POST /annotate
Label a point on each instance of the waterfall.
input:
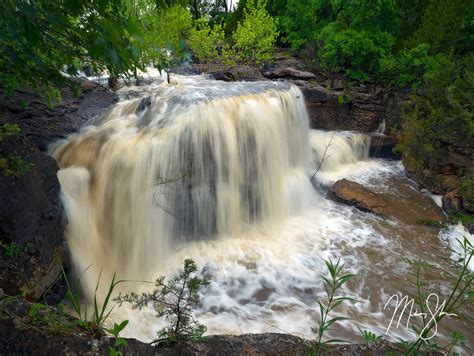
(195, 160)
(333, 150)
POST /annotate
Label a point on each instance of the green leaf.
(333, 320)
(335, 341)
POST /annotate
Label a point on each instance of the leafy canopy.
(41, 40)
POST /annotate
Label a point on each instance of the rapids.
(223, 173)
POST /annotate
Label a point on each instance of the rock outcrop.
(455, 163)
(32, 220)
(42, 125)
(354, 194)
(421, 209)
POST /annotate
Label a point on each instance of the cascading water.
(195, 161)
(222, 173)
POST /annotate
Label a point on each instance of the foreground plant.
(370, 337)
(96, 324)
(119, 341)
(173, 301)
(332, 285)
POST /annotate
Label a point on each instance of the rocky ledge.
(333, 103)
(45, 332)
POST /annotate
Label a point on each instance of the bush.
(255, 37)
(355, 52)
(8, 130)
(205, 41)
(407, 68)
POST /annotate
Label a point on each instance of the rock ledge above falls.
(332, 103)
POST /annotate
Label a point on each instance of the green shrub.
(17, 167)
(173, 301)
(406, 68)
(9, 130)
(355, 52)
(442, 113)
(370, 337)
(12, 250)
(255, 37)
(205, 41)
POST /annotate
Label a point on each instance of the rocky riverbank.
(47, 333)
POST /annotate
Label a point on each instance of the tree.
(173, 301)
(40, 40)
(255, 37)
(204, 41)
(167, 29)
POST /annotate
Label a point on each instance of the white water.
(240, 201)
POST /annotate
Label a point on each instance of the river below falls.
(245, 205)
(268, 279)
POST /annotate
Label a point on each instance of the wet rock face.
(32, 219)
(454, 164)
(382, 146)
(32, 223)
